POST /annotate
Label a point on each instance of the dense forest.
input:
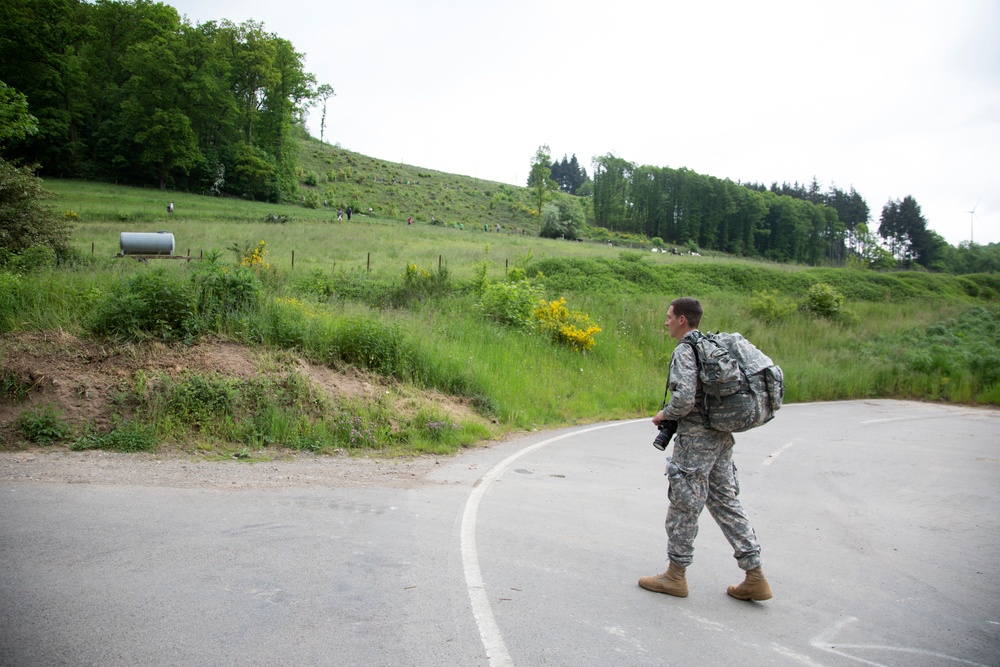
(786, 223)
(130, 92)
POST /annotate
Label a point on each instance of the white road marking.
(914, 419)
(888, 419)
(489, 631)
(776, 453)
(823, 642)
(789, 653)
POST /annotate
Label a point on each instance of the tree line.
(784, 223)
(131, 92)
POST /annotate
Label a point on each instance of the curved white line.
(489, 632)
(776, 453)
(825, 642)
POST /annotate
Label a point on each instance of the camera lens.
(662, 440)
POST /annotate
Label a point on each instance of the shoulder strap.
(697, 362)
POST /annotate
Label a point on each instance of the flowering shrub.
(419, 283)
(415, 274)
(297, 305)
(571, 328)
(253, 256)
(354, 431)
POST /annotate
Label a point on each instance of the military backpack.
(739, 387)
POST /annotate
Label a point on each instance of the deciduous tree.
(540, 178)
(24, 220)
(15, 121)
(324, 93)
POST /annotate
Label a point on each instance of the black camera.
(667, 429)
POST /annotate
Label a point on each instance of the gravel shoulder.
(295, 470)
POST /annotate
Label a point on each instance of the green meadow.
(431, 307)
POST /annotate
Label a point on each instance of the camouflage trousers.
(702, 473)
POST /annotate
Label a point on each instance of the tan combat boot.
(754, 587)
(671, 582)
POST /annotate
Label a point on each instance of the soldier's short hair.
(690, 308)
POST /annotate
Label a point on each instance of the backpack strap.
(699, 395)
(697, 361)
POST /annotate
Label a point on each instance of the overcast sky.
(895, 97)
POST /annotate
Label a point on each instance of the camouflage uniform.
(701, 472)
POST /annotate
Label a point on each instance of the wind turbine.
(972, 216)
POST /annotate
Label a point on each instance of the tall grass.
(429, 332)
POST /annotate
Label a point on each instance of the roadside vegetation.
(519, 328)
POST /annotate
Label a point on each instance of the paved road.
(880, 523)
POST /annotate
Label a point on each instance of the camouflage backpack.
(739, 386)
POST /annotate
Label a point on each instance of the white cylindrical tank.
(146, 243)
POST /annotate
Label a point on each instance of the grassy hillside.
(431, 310)
(318, 240)
(396, 191)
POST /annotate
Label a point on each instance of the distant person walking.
(340, 214)
(170, 207)
(348, 213)
(409, 220)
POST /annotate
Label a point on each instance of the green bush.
(24, 220)
(824, 300)
(149, 305)
(223, 292)
(420, 283)
(31, 259)
(562, 218)
(43, 426)
(371, 344)
(316, 284)
(771, 308)
(197, 398)
(511, 303)
(127, 437)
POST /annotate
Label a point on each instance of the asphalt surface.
(879, 522)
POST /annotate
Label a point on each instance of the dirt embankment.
(83, 381)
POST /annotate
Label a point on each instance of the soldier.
(701, 472)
